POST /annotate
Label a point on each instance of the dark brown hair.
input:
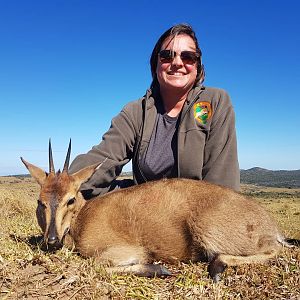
(172, 32)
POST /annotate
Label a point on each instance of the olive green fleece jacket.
(206, 150)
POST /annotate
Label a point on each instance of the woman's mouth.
(176, 74)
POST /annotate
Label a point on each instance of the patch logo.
(202, 112)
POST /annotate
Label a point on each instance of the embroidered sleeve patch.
(202, 112)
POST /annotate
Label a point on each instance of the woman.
(178, 129)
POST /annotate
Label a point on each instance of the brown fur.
(168, 220)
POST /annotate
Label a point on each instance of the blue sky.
(67, 67)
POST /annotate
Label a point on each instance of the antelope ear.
(38, 174)
(84, 174)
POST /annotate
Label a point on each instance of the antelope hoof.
(215, 268)
(165, 271)
(154, 270)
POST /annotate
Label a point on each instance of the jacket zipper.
(139, 144)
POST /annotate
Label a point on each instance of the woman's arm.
(115, 150)
(220, 163)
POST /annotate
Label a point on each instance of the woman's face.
(176, 74)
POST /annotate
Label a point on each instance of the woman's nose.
(177, 60)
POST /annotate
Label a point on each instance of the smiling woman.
(180, 128)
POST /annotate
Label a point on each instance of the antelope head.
(60, 199)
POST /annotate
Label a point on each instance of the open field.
(27, 272)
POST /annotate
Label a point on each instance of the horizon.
(130, 171)
(67, 68)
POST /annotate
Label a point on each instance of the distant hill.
(264, 177)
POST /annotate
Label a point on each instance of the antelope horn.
(66, 165)
(51, 165)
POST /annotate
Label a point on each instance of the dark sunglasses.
(187, 57)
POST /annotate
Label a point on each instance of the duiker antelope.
(168, 220)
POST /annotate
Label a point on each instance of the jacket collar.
(154, 93)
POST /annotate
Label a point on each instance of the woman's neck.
(173, 102)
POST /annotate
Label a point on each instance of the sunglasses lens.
(189, 57)
(166, 56)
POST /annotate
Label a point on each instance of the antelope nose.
(52, 240)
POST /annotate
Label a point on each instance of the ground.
(27, 272)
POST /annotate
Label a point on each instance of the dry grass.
(27, 272)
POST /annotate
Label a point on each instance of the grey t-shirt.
(159, 161)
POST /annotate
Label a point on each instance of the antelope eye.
(71, 201)
(41, 204)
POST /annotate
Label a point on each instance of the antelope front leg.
(127, 259)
